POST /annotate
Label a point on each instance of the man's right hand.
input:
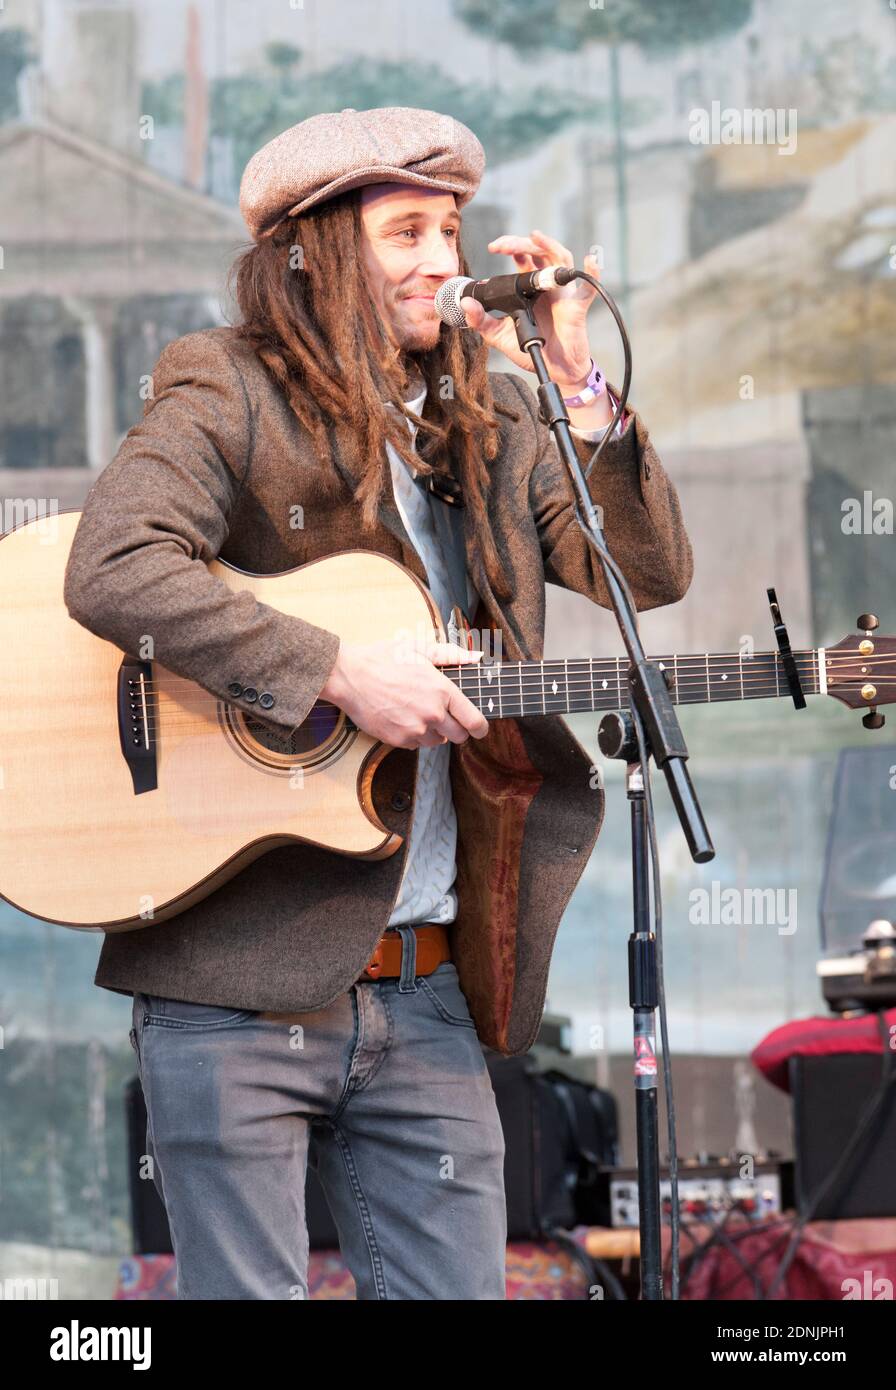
(397, 694)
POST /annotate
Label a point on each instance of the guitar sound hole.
(317, 728)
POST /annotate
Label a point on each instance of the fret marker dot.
(724, 675)
(491, 706)
(604, 684)
(554, 686)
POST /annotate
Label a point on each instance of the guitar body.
(80, 844)
(128, 793)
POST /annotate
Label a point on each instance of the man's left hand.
(561, 314)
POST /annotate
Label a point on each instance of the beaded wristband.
(595, 386)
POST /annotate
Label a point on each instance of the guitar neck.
(584, 684)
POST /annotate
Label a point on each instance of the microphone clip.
(443, 486)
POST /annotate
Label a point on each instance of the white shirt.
(427, 893)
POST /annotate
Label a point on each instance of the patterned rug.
(534, 1271)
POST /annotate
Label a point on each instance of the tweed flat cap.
(338, 150)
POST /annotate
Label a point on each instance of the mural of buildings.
(759, 289)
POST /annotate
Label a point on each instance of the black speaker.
(559, 1133)
(830, 1094)
(860, 862)
(149, 1222)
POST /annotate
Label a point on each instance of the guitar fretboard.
(564, 686)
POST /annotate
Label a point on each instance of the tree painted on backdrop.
(531, 26)
(252, 107)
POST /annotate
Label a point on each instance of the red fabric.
(817, 1037)
(835, 1260)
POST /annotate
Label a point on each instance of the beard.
(417, 337)
(415, 327)
(422, 340)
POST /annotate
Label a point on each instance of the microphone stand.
(651, 727)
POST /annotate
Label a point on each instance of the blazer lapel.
(346, 458)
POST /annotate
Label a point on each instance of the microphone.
(502, 292)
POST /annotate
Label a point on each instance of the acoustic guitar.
(128, 792)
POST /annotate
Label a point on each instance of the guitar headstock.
(861, 671)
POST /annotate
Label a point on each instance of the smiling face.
(410, 249)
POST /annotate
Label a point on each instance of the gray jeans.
(385, 1092)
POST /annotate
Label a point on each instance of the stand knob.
(873, 720)
(616, 736)
(866, 622)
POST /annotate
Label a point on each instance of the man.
(318, 997)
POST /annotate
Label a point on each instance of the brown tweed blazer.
(214, 468)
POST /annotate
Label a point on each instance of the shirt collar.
(414, 403)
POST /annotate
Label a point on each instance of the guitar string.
(510, 685)
(509, 688)
(531, 683)
(573, 684)
(505, 671)
(163, 718)
(805, 655)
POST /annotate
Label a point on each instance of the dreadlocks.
(335, 362)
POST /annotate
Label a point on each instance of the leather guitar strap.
(447, 512)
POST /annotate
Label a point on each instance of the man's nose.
(440, 259)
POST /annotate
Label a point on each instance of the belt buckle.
(374, 966)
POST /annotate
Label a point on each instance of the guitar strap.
(446, 505)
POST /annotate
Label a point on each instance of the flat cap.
(330, 153)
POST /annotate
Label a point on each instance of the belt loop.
(407, 983)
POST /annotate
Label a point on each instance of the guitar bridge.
(137, 722)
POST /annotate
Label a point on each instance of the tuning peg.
(873, 720)
(866, 622)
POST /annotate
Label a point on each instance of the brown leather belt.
(433, 947)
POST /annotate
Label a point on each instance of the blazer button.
(235, 689)
(400, 801)
(250, 695)
(266, 700)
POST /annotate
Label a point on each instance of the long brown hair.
(332, 357)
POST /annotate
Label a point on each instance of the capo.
(787, 658)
